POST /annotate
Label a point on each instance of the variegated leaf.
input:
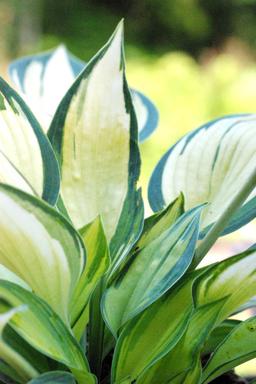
(226, 279)
(43, 329)
(97, 263)
(20, 368)
(217, 292)
(238, 347)
(40, 247)
(184, 356)
(43, 80)
(151, 271)
(27, 159)
(211, 164)
(94, 131)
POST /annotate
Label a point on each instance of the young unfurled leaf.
(238, 347)
(44, 79)
(94, 131)
(40, 247)
(27, 159)
(151, 271)
(97, 263)
(210, 164)
(44, 330)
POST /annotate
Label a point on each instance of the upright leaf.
(43, 80)
(94, 132)
(27, 159)
(151, 271)
(40, 247)
(97, 262)
(209, 165)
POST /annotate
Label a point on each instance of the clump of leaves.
(90, 291)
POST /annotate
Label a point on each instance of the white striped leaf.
(226, 279)
(40, 247)
(43, 329)
(27, 159)
(151, 271)
(97, 263)
(43, 80)
(94, 131)
(20, 369)
(209, 165)
(238, 347)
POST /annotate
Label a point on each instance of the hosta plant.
(90, 290)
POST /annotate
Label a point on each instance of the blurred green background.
(194, 58)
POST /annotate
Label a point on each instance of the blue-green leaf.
(54, 378)
(209, 165)
(151, 271)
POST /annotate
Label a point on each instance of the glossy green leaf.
(210, 165)
(44, 330)
(151, 271)
(54, 378)
(94, 132)
(97, 263)
(238, 347)
(184, 356)
(48, 252)
(220, 283)
(218, 335)
(27, 158)
(149, 336)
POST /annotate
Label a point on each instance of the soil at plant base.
(231, 378)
